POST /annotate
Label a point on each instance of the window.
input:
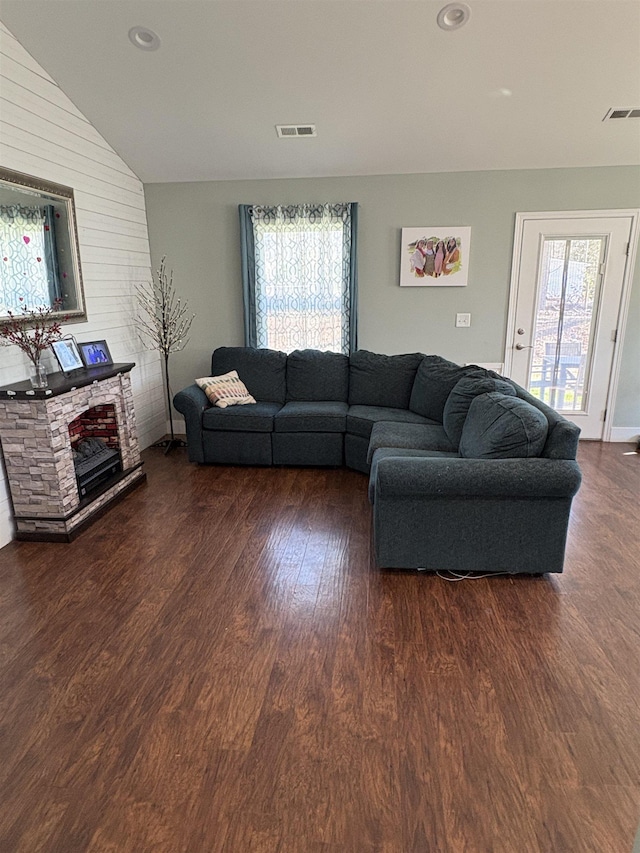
(27, 272)
(300, 276)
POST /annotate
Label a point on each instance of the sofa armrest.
(192, 402)
(477, 478)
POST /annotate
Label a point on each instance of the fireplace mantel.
(60, 383)
(36, 444)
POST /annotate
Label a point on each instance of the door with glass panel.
(566, 299)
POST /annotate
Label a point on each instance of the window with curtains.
(300, 276)
(29, 268)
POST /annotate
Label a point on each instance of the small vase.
(38, 375)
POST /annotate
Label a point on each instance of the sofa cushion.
(502, 427)
(225, 390)
(435, 380)
(263, 371)
(420, 437)
(381, 380)
(361, 419)
(394, 452)
(257, 418)
(562, 439)
(315, 375)
(317, 416)
(460, 398)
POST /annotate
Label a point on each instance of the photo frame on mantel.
(67, 355)
(95, 354)
(435, 256)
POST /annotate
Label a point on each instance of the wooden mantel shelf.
(61, 383)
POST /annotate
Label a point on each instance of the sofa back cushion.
(435, 380)
(502, 427)
(465, 390)
(313, 376)
(382, 380)
(263, 371)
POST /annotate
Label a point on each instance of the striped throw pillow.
(225, 390)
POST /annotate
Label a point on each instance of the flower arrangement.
(34, 330)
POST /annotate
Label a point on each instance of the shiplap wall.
(43, 134)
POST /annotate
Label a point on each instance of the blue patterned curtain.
(300, 276)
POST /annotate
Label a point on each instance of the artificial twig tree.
(164, 324)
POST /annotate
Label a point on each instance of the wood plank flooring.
(216, 667)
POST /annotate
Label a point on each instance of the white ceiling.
(389, 91)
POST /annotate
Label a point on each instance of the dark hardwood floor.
(216, 666)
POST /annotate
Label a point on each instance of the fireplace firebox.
(95, 448)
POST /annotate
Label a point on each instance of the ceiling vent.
(622, 113)
(291, 130)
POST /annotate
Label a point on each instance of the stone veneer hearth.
(36, 444)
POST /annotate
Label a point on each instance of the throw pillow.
(225, 390)
(502, 427)
(457, 406)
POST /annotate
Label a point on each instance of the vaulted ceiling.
(524, 84)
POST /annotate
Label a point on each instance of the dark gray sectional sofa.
(468, 471)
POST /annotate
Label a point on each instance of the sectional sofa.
(467, 470)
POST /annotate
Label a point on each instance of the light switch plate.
(463, 320)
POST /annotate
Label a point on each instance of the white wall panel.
(43, 134)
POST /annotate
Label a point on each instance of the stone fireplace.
(43, 433)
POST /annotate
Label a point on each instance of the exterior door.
(567, 291)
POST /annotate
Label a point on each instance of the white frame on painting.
(435, 256)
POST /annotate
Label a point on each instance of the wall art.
(435, 256)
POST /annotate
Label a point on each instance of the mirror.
(39, 251)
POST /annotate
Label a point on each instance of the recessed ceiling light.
(453, 16)
(144, 38)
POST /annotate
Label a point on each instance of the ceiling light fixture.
(144, 38)
(453, 16)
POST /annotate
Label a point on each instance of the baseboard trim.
(624, 434)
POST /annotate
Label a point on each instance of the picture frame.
(67, 355)
(95, 354)
(435, 256)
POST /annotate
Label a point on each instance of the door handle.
(521, 346)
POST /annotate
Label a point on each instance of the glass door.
(569, 272)
(568, 295)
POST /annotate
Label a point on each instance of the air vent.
(291, 130)
(627, 112)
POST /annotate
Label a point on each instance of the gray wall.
(196, 227)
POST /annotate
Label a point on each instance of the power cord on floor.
(470, 576)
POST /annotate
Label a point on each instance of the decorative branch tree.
(164, 324)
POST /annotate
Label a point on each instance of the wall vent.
(626, 112)
(291, 130)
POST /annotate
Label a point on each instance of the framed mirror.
(39, 250)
